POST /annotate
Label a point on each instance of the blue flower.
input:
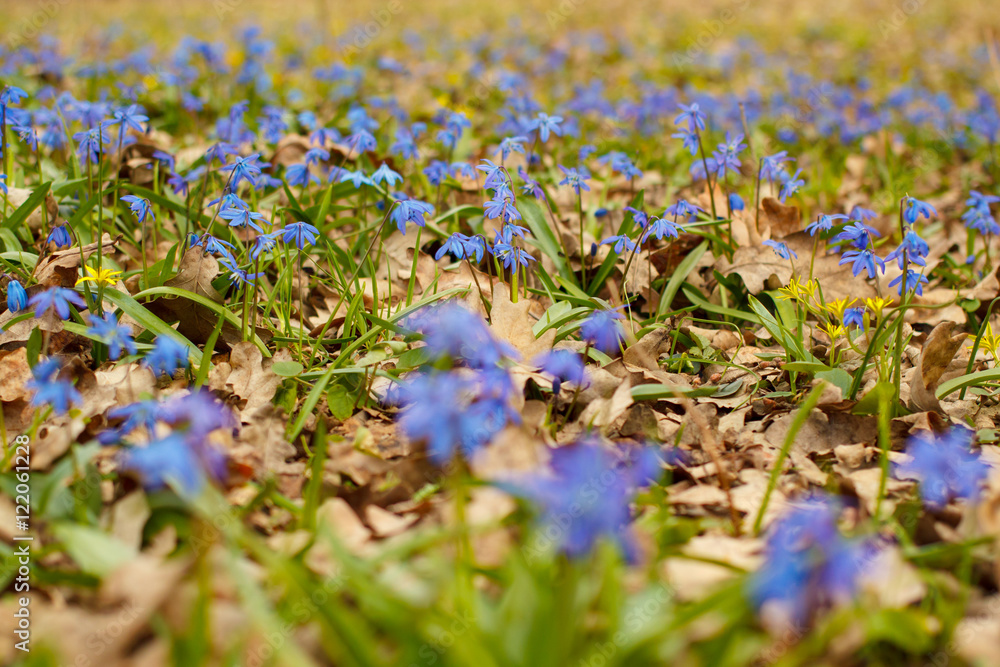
(301, 233)
(214, 246)
(166, 356)
(772, 166)
(59, 236)
(357, 177)
(736, 202)
(545, 124)
(724, 158)
(563, 366)
(682, 210)
(12, 95)
(450, 330)
(659, 228)
(238, 276)
(781, 249)
(945, 465)
(501, 208)
(510, 145)
(495, 174)
(824, 223)
(638, 217)
(239, 217)
(807, 560)
(791, 186)
(49, 390)
(169, 459)
(116, 336)
(913, 249)
(863, 214)
(575, 178)
(17, 298)
(692, 115)
(384, 174)
(602, 330)
(410, 210)
(620, 242)
(914, 282)
(299, 174)
(262, 245)
(914, 208)
(244, 169)
(454, 245)
(858, 233)
(856, 316)
(863, 260)
(316, 155)
(127, 118)
(57, 299)
(586, 495)
(138, 206)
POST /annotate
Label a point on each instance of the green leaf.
(29, 205)
(340, 401)
(94, 551)
(544, 238)
(286, 369)
(148, 320)
(683, 270)
(970, 380)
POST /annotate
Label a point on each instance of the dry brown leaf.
(252, 378)
(783, 220)
(935, 357)
(14, 373)
(512, 323)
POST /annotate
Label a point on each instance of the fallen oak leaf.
(935, 358)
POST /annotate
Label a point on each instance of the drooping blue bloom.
(301, 233)
(454, 245)
(357, 177)
(602, 330)
(689, 140)
(736, 202)
(659, 228)
(57, 299)
(501, 208)
(238, 276)
(863, 260)
(979, 216)
(451, 330)
(781, 249)
(384, 174)
(945, 465)
(125, 119)
(362, 141)
(244, 169)
(214, 246)
(12, 95)
(791, 186)
(17, 298)
(692, 115)
(495, 175)
(138, 206)
(859, 234)
(914, 208)
(639, 217)
(59, 235)
(116, 336)
(239, 217)
(585, 496)
(299, 175)
(219, 152)
(316, 155)
(563, 366)
(772, 166)
(510, 145)
(545, 124)
(169, 459)
(912, 249)
(862, 214)
(166, 356)
(576, 178)
(410, 210)
(3, 184)
(263, 244)
(511, 256)
(475, 246)
(824, 223)
(49, 390)
(724, 158)
(855, 316)
(914, 282)
(620, 243)
(682, 210)
(807, 561)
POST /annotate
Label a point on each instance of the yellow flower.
(837, 308)
(990, 342)
(798, 290)
(834, 330)
(878, 304)
(102, 277)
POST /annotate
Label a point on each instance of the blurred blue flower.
(781, 249)
(59, 236)
(116, 336)
(166, 356)
(692, 115)
(946, 466)
(410, 210)
(914, 208)
(602, 330)
(855, 316)
(621, 242)
(49, 390)
(736, 202)
(545, 124)
(563, 366)
(138, 206)
(586, 495)
(863, 260)
(57, 299)
(824, 223)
